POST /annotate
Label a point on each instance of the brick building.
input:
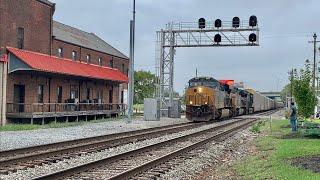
(49, 70)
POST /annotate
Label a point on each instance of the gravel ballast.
(213, 156)
(20, 139)
(85, 158)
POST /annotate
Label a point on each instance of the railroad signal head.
(253, 21)
(236, 22)
(217, 23)
(252, 37)
(202, 23)
(217, 38)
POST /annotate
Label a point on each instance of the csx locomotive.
(208, 99)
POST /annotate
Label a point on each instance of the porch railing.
(62, 107)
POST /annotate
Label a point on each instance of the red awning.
(52, 64)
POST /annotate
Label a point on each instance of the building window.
(111, 63)
(122, 68)
(100, 61)
(20, 38)
(60, 52)
(88, 58)
(74, 55)
(59, 94)
(40, 93)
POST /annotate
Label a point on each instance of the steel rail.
(148, 165)
(91, 144)
(82, 140)
(108, 141)
(85, 167)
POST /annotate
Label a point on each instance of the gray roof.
(88, 40)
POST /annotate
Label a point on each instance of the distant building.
(49, 70)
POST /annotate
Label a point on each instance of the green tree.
(286, 92)
(145, 85)
(303, 92)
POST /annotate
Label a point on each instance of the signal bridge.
(203, 33)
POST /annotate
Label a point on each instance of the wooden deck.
(54, 110)
(61, 114)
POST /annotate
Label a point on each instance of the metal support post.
(131, 65)
(171, 71)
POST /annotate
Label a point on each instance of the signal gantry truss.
(196, 34)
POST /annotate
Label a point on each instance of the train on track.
(208, 99)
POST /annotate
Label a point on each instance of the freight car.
(208, 99)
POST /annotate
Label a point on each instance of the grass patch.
(19, 127)
(256, 127)
(28, 127)
(272, 160)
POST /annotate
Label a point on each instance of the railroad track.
(19, 159)
(131, 163)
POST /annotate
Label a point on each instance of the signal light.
(252, 37)
(217, 38)
(202, 23)
(253, 21)
(236, 22)
(217, 23)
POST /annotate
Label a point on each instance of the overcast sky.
(286, 26)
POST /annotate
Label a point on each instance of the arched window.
(100, 61)
(60, 52)
(88, 58)
(74, 55)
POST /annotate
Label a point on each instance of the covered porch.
(50, 88)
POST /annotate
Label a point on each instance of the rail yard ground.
(25, 138)
(270, 154)
(255, 152)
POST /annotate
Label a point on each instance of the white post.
(3, 90)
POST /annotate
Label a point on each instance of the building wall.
(33, 16)
(94, 56)
(82, 52)
(36, 19)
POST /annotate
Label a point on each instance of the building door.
(19, 97)
(111, 95)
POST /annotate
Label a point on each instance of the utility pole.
(291, 86)
(314, 60)
(131, 64)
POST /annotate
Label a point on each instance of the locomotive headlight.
(191, 102)
(200, 90)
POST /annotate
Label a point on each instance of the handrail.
(62, 107)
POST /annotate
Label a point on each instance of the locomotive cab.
(201, 96)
